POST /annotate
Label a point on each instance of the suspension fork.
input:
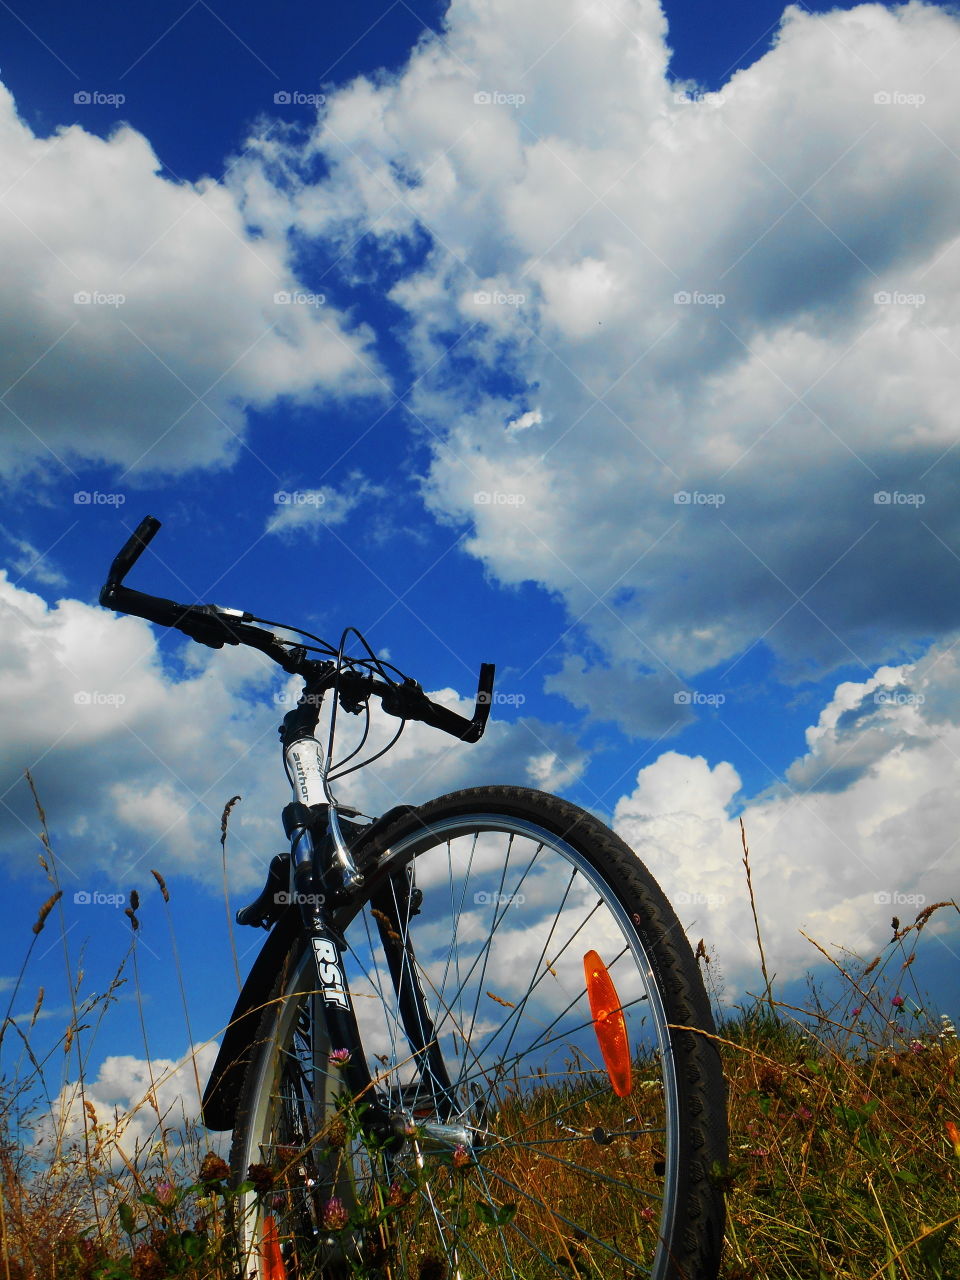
(399, 897)
(331, 866)
(321, 874)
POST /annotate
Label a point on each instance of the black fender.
(222, 1094)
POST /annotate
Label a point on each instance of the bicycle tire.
(559, 1176)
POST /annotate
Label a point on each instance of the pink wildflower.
(335, 1216)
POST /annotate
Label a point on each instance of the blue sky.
(612, 343)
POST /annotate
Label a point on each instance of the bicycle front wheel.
(530, 1011)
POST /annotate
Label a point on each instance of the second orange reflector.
(608, 1023)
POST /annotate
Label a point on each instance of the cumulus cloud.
(140, 1106)
(29, 562)
(735, 313)
(120, 749)
(311, 510)
(863, 827)
(141, 316)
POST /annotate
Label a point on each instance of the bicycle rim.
(550, 1142)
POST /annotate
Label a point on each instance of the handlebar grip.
(449, 721)
(457, 725)
(128, 555)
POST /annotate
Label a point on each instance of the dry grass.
(845, 1143)
(845, 1155)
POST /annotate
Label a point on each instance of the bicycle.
(475, 1041)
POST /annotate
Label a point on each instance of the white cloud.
(141, 1107)
(532, 418)
(698, 318)
(138, 316)
(310, 510)
(134, 762)
(863, 828)
(29, 562)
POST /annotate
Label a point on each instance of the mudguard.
(222, 1094)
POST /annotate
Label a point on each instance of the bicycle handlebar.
(210, 625)
(130, 553)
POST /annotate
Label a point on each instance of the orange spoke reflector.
(270, 1255)
(608, 1023)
